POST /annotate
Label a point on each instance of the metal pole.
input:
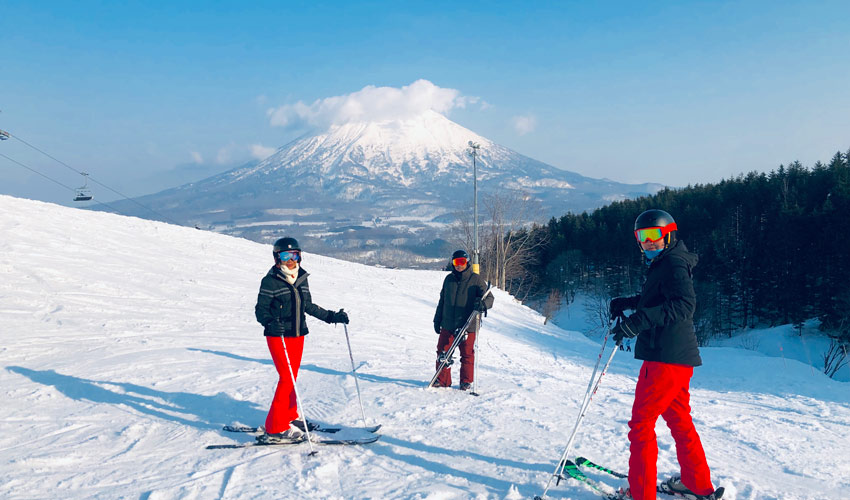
(297, 397)
(354, 372)
(475, 365)
(474, 154)
(588, 397)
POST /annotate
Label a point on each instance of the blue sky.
(672, 92)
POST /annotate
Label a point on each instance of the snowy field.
(127, 344)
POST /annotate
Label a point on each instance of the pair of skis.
(460, 334)
(571, 469)
(326, 435)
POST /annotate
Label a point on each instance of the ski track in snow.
(127, 344)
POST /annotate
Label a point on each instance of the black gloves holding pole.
(338, 317)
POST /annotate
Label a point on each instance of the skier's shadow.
(498, 486)
(321, 369)
(180, 407)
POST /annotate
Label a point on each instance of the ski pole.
(584, 403)
(475, 366)
(582, 413)
(297, 397)
(475, 352)
(354, 372)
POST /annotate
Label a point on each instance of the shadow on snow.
(320, 369)
(185, 408)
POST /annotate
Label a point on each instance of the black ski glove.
(624, 329)
(339, 317)
(436, 328)
(617, 306)
(479, 305)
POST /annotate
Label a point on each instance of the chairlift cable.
(168, 219)
(63, 185)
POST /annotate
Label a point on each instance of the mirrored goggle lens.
(460, 261)
(285, 256)
(649, 233)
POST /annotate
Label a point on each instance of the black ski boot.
(674, 486)
(291, 435)
(299, 424)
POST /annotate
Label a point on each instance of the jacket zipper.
(297, 294)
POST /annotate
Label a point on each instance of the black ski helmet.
(460, 253)
(284, 245)
(656, 218)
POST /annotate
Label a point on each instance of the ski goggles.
(289, 255)
(460, 261)
(654, 234)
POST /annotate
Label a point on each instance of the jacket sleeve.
(679, 299)
(438, 316)
(311, 308)
(262, 310)
(489, 299)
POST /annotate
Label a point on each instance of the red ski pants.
(662, 390)
(467, 358)
(284, 405)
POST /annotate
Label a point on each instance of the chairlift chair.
(83, 193)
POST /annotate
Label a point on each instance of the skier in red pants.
(282, 303)
(663, 323)
(461, 294)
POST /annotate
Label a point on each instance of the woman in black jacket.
(663, 324)
(282, 305)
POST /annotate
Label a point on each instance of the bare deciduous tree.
(552, 305)
(505, 239)
(834, 358)
(596, 308)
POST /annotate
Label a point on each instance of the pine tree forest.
(774, 248)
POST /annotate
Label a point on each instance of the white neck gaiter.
(290, 274)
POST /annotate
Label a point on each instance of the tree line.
(774, 248)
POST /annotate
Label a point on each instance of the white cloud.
(370, 104)
(196, 157)
(524, 124)
(261, 152)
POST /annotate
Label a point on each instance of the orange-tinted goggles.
(654, 233)
(460, 261)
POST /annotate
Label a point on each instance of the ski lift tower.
(473, 152)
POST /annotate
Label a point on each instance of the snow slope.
(127, 344)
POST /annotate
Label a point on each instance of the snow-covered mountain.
(127, 344)
(395, 181)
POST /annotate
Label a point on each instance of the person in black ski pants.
(663, 324)
(282, 303)
(461, 294)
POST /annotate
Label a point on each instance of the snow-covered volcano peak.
(422, 145)
(428, 131)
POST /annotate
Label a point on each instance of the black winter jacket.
(664, 311)
(460, 289)
(281, 307)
